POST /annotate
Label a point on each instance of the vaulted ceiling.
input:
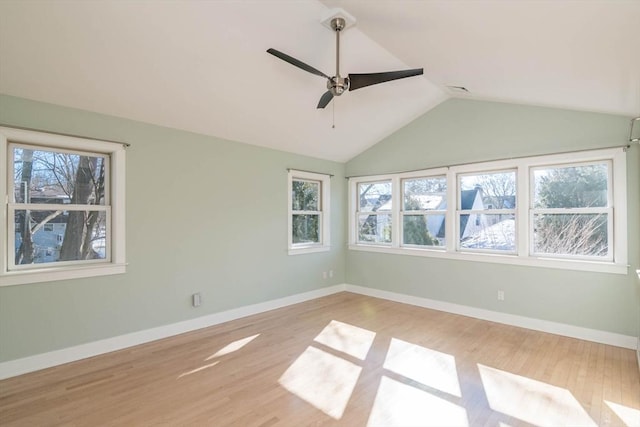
(202, 66)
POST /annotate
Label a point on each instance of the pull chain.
(333, 110)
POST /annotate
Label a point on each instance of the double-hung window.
(486, 211)
(373, 214)
(309, 226)
(424, 204)
(571, 211)
(64, 210)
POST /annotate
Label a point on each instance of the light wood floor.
(346, 360)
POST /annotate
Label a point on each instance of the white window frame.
(523, 255)
(13, 207)
(394, 218)
(431, 212)
(324, 212)
(470, 212)
(608, 210)
(35, 273)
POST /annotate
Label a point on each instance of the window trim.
(502, 211)
(428, 212)
(116, 154)
(324, 212)
(522, 256)
(607, 210)
(14, 206)
(390, 213)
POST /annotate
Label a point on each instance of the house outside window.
(374, 216)
(65, 196)
(43, 178)
(309, 214)
(486, 211)
(424, 204)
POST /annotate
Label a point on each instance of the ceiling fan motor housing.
(338, 85)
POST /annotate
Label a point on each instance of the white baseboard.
(58, 357)
(24, 365)
(603, 337)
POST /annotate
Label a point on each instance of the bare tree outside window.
(571, 210)
(72, 184)
(25, 253)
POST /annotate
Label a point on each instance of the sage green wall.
(203, 215)
(208, 215)
(460, 131)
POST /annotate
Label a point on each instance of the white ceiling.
(201, 66)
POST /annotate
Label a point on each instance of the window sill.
(579, 265)
(308, 250)
(59, 273)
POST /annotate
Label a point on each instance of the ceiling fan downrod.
(338, 84)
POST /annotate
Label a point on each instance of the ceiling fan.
(337, 84)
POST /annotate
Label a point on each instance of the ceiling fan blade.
(293, 61)
(325, 99)
(357, 81)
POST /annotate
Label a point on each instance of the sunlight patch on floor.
(201, 368)
(399, 404)
(346, 338)
(629, 416)
(535, 402)
(323, 380)
(429, 367)
(234, 346)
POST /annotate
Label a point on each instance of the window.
(423, 211)
(559, 211)
(486, 211)
(374, 212)
(309, 228)
(65, 196)
(571, 211)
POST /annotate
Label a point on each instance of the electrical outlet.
(324, 274)
(196, 299)
(500, 295)
(330, 273)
